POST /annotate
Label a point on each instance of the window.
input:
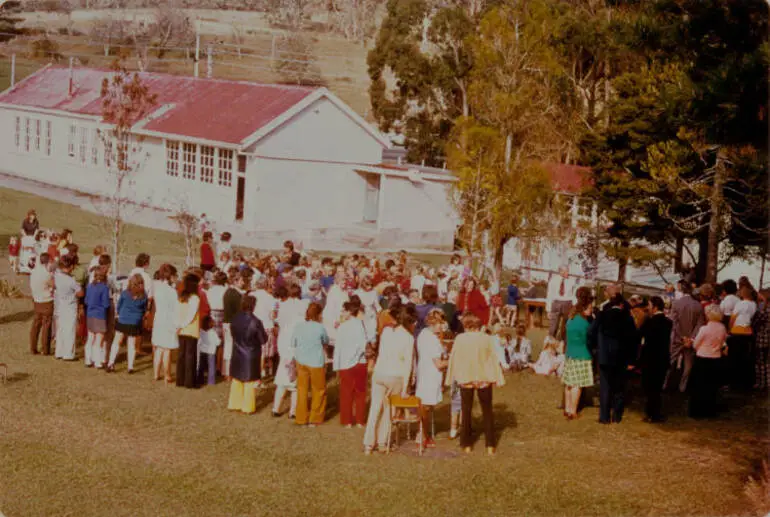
(48, 138)
(207, 164)
(241, 163)
(83, 147)
(188, 161)
(38, 130)
(172, 158)
(226, 167)
(27, 133)
(17, 132)
(71, 141)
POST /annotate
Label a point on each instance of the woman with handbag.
(291, 310)
(392, 371)
(349, 361)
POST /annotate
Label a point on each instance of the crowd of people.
(386, 328)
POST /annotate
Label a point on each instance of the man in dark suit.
(687, 317)
(655, 358)
(615, 337)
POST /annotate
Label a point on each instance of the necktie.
(507, 356)
(561, 288)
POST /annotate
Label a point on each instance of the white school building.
(266, 162)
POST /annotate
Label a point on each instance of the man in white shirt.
(561, 293)
(418, 280)
(41, 285)
(729, 300)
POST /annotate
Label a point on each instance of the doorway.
(372, 198)
(240, 192)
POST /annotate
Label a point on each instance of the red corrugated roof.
(211, 109)
(570, 179)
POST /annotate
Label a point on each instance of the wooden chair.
(397, 402)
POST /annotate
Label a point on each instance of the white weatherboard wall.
(322, 131)
(410, 205)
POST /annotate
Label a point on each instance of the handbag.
(149, 316)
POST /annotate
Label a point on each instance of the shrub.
(8, 290)
(758, 491)
(44, 48)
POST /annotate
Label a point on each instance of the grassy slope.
(80, 442)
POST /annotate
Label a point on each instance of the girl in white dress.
(430, 364)
(335, 299)
(370, 302)
(291, 311)
(164, 337)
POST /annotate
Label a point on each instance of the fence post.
(197, 51)
(209, 62)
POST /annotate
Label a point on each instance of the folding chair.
(408, 404)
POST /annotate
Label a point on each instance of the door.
(372, 198)
(240, 192)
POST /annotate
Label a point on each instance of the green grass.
(81, 442)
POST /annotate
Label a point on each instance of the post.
(272, 52)
(197, 50)
(209, 62)
(71, 81)
(13, 69)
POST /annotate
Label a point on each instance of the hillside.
(244, 46)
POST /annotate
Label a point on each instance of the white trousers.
(378, 422)
(116, 346)
(227, 352)
(66, 327)
(280, 392)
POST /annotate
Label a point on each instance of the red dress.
(13, 250)
(475, 303)
(207, 255)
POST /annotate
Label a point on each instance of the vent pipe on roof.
(71, 81)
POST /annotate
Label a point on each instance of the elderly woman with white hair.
(709, 345)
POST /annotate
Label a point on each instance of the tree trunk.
(715, 224)
(498, 261)
(116, 229)
(678, 253)
(623, 263)
(762, 271)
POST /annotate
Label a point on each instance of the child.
(208, 343)
(13, 253)
(97, 304)
(551, 360)
(522, 348)
(53, 246)
(224, 249)
(131, 308)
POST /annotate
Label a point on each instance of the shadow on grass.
(17, 377)
(17, 317)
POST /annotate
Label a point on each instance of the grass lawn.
(81, 442)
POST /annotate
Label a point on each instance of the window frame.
(208, 163)
(225, 167)
(189, 160)
(172, 158)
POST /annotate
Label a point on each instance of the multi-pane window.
(95, 147)
(188, 161)
(48, 138)
(172, 158)
(27, 134)
(83, 147)
(17, 132)
(226, 167)
(71, 141)
(38, 130)
(207, 164)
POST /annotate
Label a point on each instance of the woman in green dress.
(578, 373)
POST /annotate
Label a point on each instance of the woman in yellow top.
(475, 366)
(188, 330)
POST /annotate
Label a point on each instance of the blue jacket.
(97, 301)
(130, 310)
(513, 295)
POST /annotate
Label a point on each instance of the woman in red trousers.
(350, 361)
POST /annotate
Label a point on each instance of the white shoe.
(453, 434)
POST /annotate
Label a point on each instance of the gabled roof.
(215, 110)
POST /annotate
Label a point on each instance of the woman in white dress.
(430, 364)
(291, 310)
(164, 338)
(370, 302)
(335, 299)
